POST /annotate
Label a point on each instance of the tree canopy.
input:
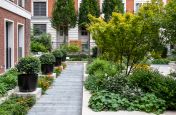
(170, 21)
(129, 36)
(110, 6)
(64, 15)
(88, 7)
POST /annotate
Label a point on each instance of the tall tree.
(64, 15)
(170, 22)
(87, 7)
(110, 6)
(129, 36)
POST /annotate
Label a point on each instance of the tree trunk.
(65, 34)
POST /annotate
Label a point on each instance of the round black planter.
(47, 68)
(58, 61)
(27, 82)
(64, 57)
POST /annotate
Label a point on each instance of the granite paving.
(65, 95)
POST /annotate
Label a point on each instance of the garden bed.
(101, 101)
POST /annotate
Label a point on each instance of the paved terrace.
(65, 95)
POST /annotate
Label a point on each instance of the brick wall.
(17, 19)
(130, 5)
(51, 4)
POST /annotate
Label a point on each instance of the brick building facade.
(14, 31)
(42, 11)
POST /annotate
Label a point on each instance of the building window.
(83, 31)
(21, 3)
(39, 8)
(39, 29)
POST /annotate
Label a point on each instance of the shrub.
(64, 65)
(160, 61)
(58, 53)
(79, 57)
(37, 47)
(95, 82)
(103, 66)
(28, 65)
(115, 84)
(57, 70)
(64, 50)
(41, 43)
(73, 48)
(47, 58)
(153, 82)
(45, 82)
(17, 105)
(107, 101)
(148, 81)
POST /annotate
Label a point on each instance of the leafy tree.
(110, 6)
(64, 15)
(87, 7)
(170, 23)
(129, 36)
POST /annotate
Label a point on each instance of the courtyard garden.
(122, 78)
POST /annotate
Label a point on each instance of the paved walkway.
(65, 96)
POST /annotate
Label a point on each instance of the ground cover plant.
(8, 81)
(160, 61)
(142, 90)
(17, 105)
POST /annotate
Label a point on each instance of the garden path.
(65, 95)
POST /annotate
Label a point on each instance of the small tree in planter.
(58, 55)
(28, 68)
(47, 63)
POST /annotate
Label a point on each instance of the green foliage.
(41, 43)
(87, 7)
(28, 65)
(47, 58)
(103, 66)
(79, 57)
(99, 72)
(37, 47)
(73, 49)
(142, 78)
(64, 15)
(128, 35)
(107, 101)
(17, 106)
(45, 82)
(57, 53)
(95, 82)
(153, 82)
(58, 71)
(110, 6)
(8, 81)
(64, 50)
(170, 24)
(160, 61)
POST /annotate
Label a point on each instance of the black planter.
(64, 57)
(47, 68)
(58, 61)
(27, 82)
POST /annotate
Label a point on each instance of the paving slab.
(65, 95)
